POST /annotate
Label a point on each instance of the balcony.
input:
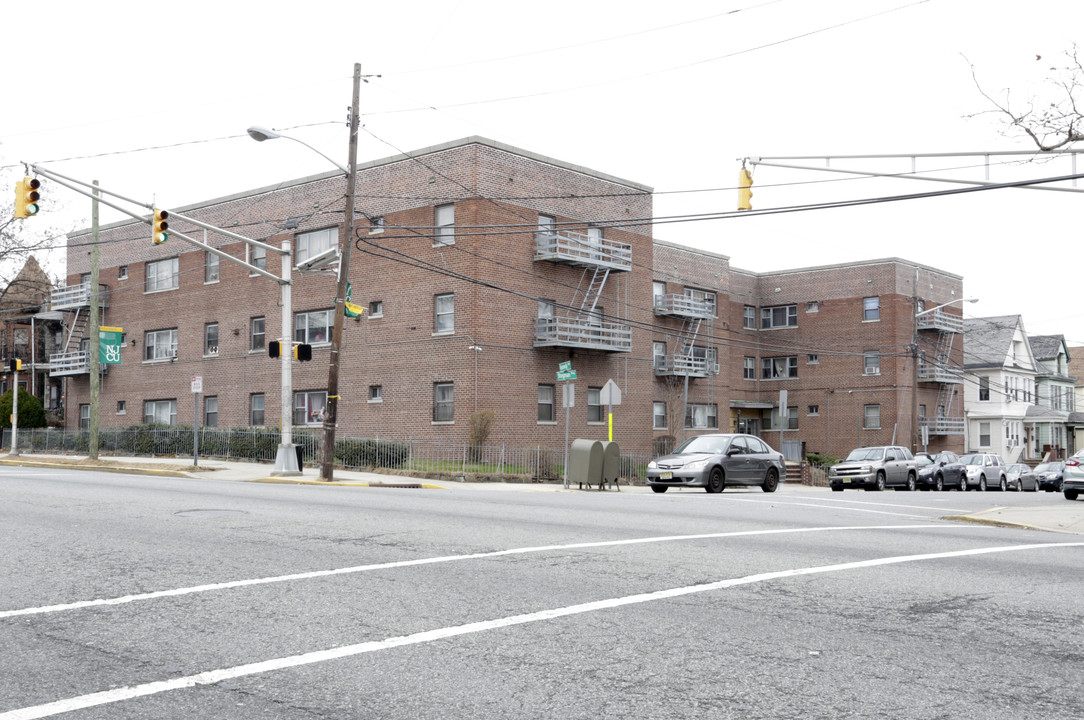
(942, 321)
(683, 365)
(937, 373)
(944, 425)
(572, 248)
(675, 305)
(77, 296)
(573, 332)
(69, 363)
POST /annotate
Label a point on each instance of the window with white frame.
(210, 267)
(546, 411)
(704, 296)
(749, 317)
(84, 416)
(444, 313)
(701, 416)
(255, 409)
(749, 369)
(814, 409)
(546, 309)
(122, 272)
(122, 407)
(376, 393)
(984, 434)
(871, 417)
(812, 359)
(376, 308)
(160, 344)
(790, 422)
(658, 416)
(812, 307)
(162, 275)
(444, 220)
(871, 363)
(658, 290)
(210, 411)
(547, 225)
(778, 317)
(162, 412)
(210, 339)
(309, 407)
(658, 355)
(257, 257)
(257, 334)
(443, 402)
(776, 368)
(871, 308)
(313, 243)
(313, 327)
(594, 405)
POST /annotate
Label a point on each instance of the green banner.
(109, 344)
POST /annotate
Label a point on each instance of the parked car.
(1020, 477)
(939, 471)
(1050, 476)
(715, 461)
(985, 471)
(1072, 476)
(875, 468)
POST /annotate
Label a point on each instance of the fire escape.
(74, 301)
(581, 324)
(688, 359)
(940, 330)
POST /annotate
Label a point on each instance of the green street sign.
(565, 366)
(566, 375)
(109, 345)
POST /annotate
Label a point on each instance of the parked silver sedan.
(715, 461)
(1021, 477)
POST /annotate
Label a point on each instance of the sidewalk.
(1060, 515)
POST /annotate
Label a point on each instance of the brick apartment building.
(482, 268)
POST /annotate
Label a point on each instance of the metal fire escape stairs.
(588, 298)
(690, 328)
(78, 329)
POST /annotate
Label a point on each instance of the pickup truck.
(875, 468)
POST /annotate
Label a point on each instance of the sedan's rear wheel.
(939, 484)
(659, 488)
(1019, 486)
(715, 481)
(771, 480)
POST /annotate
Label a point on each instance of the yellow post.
(611, 416)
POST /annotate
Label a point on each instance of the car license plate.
(666, 476)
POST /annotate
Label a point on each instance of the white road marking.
(836, 507)
(215, 676)
(429, 561)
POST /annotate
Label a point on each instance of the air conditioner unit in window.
(715, 368)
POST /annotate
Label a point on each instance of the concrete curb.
(347, 483)
(106, 468)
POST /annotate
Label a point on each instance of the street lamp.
(346, 239)
(967, 300)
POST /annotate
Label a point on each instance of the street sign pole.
(15, 415)
(197, 388)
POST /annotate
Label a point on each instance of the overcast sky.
(153, 100)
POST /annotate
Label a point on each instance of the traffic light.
(745, 190)
(16, 365)
(302, 352)
(158, 233)
(26, 197)
(274, 349)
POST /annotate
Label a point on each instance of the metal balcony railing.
(574, 248)
(683, 306)
(942, 321)
(77, 296)
(937, 373)
(69, 363)
(682, 365)
(944, 425)
(578, 333)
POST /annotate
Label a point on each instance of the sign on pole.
(568, 395)
(109, 344)
(565, 366)
(566, 374)
(197, 383)
(610, 394)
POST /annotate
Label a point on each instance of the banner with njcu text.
(110, 341)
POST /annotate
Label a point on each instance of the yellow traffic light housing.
(158, 233)
(745, 190)
(26, 197)
(15, 365)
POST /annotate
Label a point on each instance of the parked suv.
(939, 471)
(985, 470)
(875, 468)
(1072, 478)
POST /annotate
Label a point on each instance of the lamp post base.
(286, 464)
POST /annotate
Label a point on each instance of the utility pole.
(95, 321)
(331, 412)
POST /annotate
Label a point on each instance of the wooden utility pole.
(92, 327)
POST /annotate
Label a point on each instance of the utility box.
(585, 462)
(611, 464)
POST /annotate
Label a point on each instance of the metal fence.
(261, 445)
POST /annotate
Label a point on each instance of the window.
(122, 272)
(309, 407)
(776, 423)
(545, 403)
(376, 393)
(658, 416)
(210, 411)
(699, 416)
(658, 355)
(594, 241)
(160, 344)
(546, 309)
(84, 416)
(258, 337)
(162, 275)
(921, 414)
(162, 412)
(777, 317)
(122, 407)
(445, 225)
(658, 290)
(814, 409)
(984, 434)
(313, 327)
(749, 371)
(594, 404)
(311, 244)
(749, 317)
(984, 388)
(871, 308)
(210, 339)
(257, 257)
(871, 417)
(443, 402)
(812, 359)
(210, 267)
(376, 308)
(812, 307)
(871, 363)
(547, 225)
(779, 367)
(444, 313)
(255, 409)
(376, 224)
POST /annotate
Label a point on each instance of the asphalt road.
(148, 597)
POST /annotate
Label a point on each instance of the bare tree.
(1052, 123)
